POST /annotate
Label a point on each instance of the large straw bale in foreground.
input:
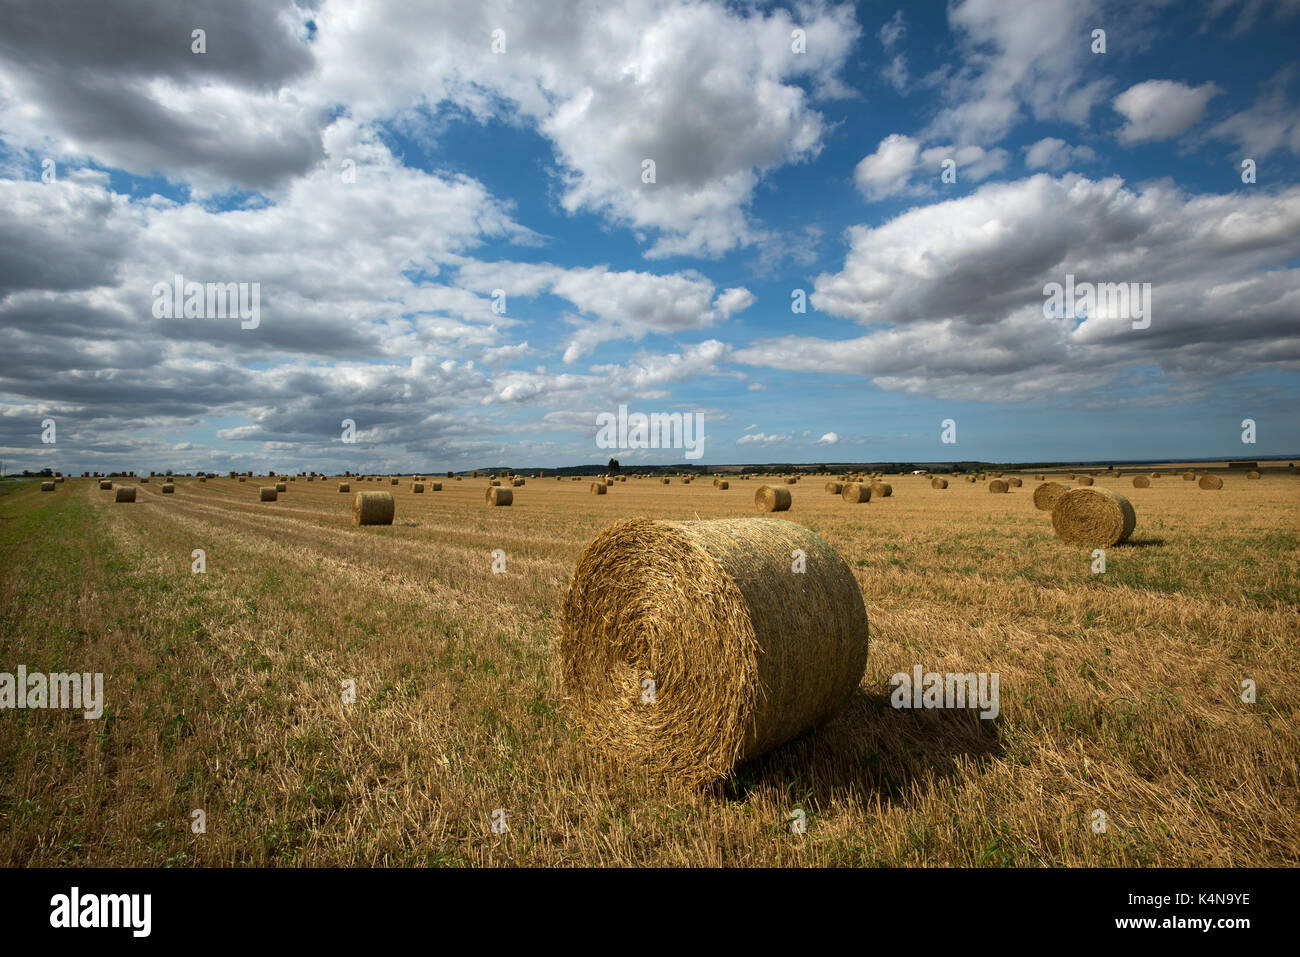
(1210, 482)
(497, 495)
(744, 653)
(772, 498)
(1093, 517)
(937, 482)
(1046, 495)
(998, 485)
(599, 488)
(373, 508)
(267, 493)
(125, 493)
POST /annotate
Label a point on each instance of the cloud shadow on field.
(870, 748)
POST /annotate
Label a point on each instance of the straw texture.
(1094, 517)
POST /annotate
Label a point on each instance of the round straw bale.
(744, 655)
(241, 478)
(1015, 482)
(666, 481)
(494, 482)
(417, 488)
(345, 486)
(144, 480)
(1189, 476)
(47, 486)
(435, 486)
(1252, 474)
(724, 485)
(1045, 495)
(281, 487)
(937, 482)
(970, 478)
(390, 481)
(791, 480)
(772, 498)
(998, 485)
(125, 493)
(1094, 517)
(1141, 481)
(1040, 478)
(1085, 479)
(1155, 475)
(517, 482)
(1210, 482)
(105, 485)
(373, 508)
(599, 488)
(267, 493)
(203, 478)
(834, 488)
(856, 493)
(609, 481)
(500, 496)
(881, 490)
(168, 488)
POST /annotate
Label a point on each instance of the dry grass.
(1118, 691)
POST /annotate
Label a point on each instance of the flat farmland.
(1120, 692)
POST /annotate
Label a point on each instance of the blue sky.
(519, 169)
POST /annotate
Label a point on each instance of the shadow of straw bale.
(870, 748)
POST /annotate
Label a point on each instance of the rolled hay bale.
(1155, 475)
(856, 493)
(937, 482)
(1093, 517)
(47, 486)
(392, 481)
(125, 493)
(881, 490)
(599, 488)
(834, 488)
(1015, 482)
(971, 479)
(686, 481)
(59, 479)
(1252, 474)
(500, 496)
(281, 486)
(494, 482)
(241, 478)
(724, 485)
(666, 481)
(609, 481)
(144, 480)
(345, 486)
(1046, 495)
(744, 655)
(716, 480)
(435, 486)
(622, 478)
(168, 488)
(267, 493)
(791, 480)
(998, 486)
(1085, 479)
(105, 485)
(517, 482)
(1189, 476)
(417, 488)
(203, 478)
(772, 498)
(1210, 482)
(1040, 478)
(1141, 481)
(373, 508)
(459, 478)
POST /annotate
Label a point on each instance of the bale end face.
(938, 483)
(1141, 481)
(373, 508)
(599, 488)
(834, 488)
(1210, 482)
(881, 490)
(1046, 495)
(998, 486)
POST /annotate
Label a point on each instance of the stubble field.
(1119, 692)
